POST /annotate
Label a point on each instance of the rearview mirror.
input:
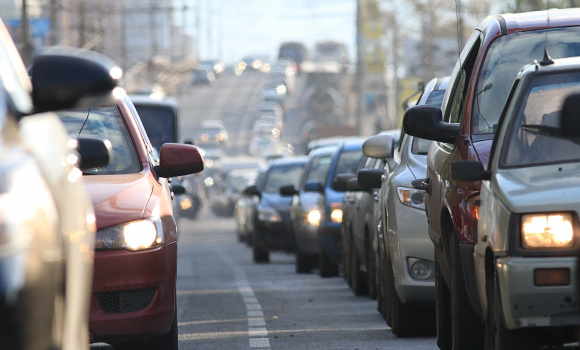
(569, 117)
(378, 146)
(178, 159)
(339, 184)
(288, 190)
(426, 122)
(469, 170)
(94, 153)
(370, 178)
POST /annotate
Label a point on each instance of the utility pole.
(359, 73)
(27, 46)
(53, 29)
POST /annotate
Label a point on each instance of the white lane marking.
(258, 332)
(256, 321)
(259, 343)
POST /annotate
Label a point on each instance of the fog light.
(420, 269)
(185, 203)
(552, 277)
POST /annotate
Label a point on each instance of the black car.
(272, 228)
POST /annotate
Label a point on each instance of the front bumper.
(133, 293)
(274, 235)
(526, 305)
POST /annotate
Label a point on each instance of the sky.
(232, 29)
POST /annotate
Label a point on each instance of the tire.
(381, 290)
(497, 336)
(401, 315)
(326, 266)
(371, 269)
(346, 257)
(304, 263)
(442, 310)
(359, 281)
(260, 255)
(466, 329)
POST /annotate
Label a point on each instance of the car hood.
(118, 198)
(276, 201)
(539, 189)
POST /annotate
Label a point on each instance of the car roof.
(141, 100)
(353, 144)
(516, 22)
(280, 162)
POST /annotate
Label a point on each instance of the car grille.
(126, 301)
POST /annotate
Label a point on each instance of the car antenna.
(547, 59)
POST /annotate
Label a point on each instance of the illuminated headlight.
(220, 137)
(314, 217)
(208, 181)
(204, 137)
(554, 230)
(269, 215)
(420, 269)
(412, 197)
(336, 212)
(281, 89)
(134, 235)
(185, 203)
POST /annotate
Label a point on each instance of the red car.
(464, 128)
(133, 303)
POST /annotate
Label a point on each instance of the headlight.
(555, 230)
(412, 197)
(336, 212)
(185, 203)
(134, 235)
(314, 217)
(269, 215)
(204, 137)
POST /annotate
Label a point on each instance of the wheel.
(359, 281)
(466, 329)
(260, 255)
(497, 336)
(326, 266)
(442, 310)
(401, 315)
(345, 257)
(304, 263)
(381, 291)
(371, 269)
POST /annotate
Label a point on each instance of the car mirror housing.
(340, 183)
(426, 122)
(65, 77)
(288, 190)
(178, 189)
(177, 159)
(313, 186)
(252, 191)
(378, 146)
(370, 178)
(94, 153)
(353, 185)
(469, 170)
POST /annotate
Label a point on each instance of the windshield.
(159, 124)
(505, 58)
(104, 123)
(541, 107)
(282, 176)
(347, 163)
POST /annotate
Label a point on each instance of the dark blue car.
(317, 207)
(272, 228)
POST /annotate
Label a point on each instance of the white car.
(528, 233)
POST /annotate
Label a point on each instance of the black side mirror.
(252, 191)
(426, 122)
(352, 185)
(340, 183)
(469, 170)
(94, 153)
(178, 189)
(370, 178)
(288, 190)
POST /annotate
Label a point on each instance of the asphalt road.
(225, 301)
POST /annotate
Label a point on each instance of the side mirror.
(469, 170)
(252, 191)
(178, 189)
(313, 186)
(569, 117)
(340, 183)
(66, 77)
(94, 153)
(426, 122)
(177, 159)
(370, 178)
(288, 190)
(378, 146)
(352, 185)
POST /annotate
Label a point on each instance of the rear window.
(104, 123)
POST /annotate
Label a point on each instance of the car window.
(541, 107)
(458, 93)
(347, 163)
(159, 123)
(504, 59)
(420, 146)
(104, 123)
(435, 98)
(282, 176)
(319, 169)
